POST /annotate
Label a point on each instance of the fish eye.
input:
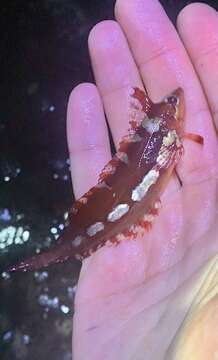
(172, 100)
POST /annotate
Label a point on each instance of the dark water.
(43, 56)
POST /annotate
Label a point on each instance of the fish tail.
(56, 254)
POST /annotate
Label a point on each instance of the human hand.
(132, 298)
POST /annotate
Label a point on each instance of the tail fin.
(58, 253)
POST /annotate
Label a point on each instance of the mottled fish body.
(125, 200)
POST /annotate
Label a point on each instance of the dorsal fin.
(140, 105)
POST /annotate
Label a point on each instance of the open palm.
(132, 298)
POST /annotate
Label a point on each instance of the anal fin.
(139, 228)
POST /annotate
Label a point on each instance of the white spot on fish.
(135, 103)
(122, 156)
(120, 237)
(95, 228)
(118, 212)
(83, 200)
(108, 243)
(149, 179)
(133, 229)
(148, 217)
(136, 230)
(77, 241)
(170, 138)
(74, 211)
(132, 138)
(136, 114)
(136, 138)
(109, 169)
(157, 204)
(164, 156)
(151, 125)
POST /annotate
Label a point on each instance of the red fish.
(126, 198)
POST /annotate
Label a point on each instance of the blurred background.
(43, 56)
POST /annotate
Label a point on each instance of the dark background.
(43, 55)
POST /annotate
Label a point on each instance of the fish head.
(171, 111)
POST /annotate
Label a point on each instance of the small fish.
(125, 200)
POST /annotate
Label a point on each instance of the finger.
(164, 65)
(198, 28)
(115, 72)
(87, 136)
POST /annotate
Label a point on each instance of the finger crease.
(209, 52)
(164, 51)
(86, 148)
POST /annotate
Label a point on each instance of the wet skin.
(127, 298)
